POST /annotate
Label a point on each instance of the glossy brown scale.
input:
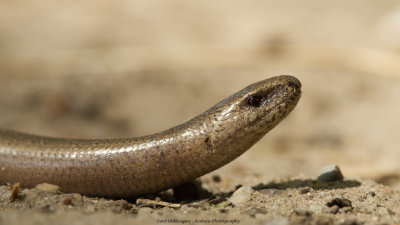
(132, 167)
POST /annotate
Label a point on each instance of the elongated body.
(135, 166)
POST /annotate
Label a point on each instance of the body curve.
(131, 167)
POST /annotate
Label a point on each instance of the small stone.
(340, 202)
(216, 178)
(77, 197)
(330, 173)
(119, 205)
(51, 188)
(223, 210)
(241, 196)
(334, 209)
(305, 190)
(67, 201)
(206, 206)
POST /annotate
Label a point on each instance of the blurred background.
(104, 69)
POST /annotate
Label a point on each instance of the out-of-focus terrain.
(102, 69)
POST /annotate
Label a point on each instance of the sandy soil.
(117, 69)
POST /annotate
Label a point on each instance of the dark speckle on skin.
(162, 156)
(208, 143)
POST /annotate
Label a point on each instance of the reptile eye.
(254, 101)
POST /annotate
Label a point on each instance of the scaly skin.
(136, 166)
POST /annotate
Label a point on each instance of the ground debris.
(156, 203)
(51, 188)
(15, 190)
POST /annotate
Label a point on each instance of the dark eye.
(254, 101)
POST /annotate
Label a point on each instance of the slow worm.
(132, 167)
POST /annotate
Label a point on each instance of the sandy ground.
(102, 69)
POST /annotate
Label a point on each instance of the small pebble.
(77, 197)
(206, 206)
(223, 210)
(216, 178)
(334, 209)
(241, 196)
(340, 202)
(119, 205)
(67, 201)
(330, 173)
(305, 190)
(51, 188)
